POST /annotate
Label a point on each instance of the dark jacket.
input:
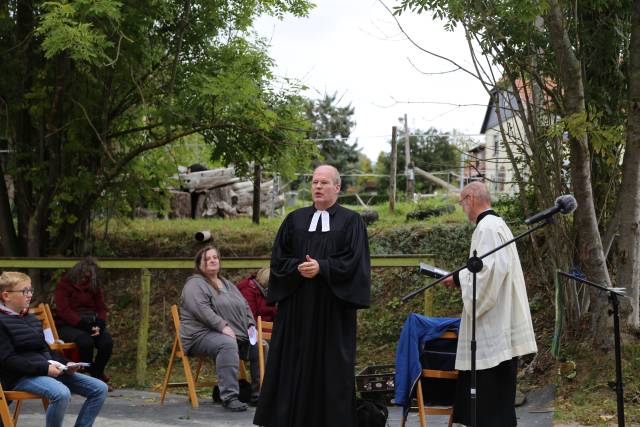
(23, 352)
(250, 290)
(73, 300)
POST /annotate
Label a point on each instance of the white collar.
(325, 221)
(8, 309)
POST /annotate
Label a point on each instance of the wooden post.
(256, 193)
(408, 168)
(393, 168)
(143, 327)
(428, 302)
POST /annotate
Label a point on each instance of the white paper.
(58, 364)
(78, 364)
(48, 336)
(253, 335)
(69, 365)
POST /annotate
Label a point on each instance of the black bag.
(245, 392)
(438, 354)
(371, 413)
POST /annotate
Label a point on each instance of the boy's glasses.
(24, 291)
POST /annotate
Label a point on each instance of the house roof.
(490, 117)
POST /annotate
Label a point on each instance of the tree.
(629, 196)
(562, 65)
(331, 127)
(90, 86)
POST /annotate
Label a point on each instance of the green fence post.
(143, 327)
(428, 302)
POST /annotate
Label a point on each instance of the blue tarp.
(416, 330)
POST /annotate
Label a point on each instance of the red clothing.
(250, 289)
(72, 300)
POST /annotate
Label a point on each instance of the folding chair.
(264, 334)
(191, 380)
(43, 313)
(432, 379)
(9, 420)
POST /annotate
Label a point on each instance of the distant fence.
(146, 264)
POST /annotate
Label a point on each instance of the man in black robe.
(320, 275)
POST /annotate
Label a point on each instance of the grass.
(587, 394)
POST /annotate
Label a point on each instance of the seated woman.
(27, 364)
(81, 315)
(254, 289)
(214, 321)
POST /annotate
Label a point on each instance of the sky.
(355, 48)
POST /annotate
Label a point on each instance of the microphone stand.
(474, 265)
(613, 297)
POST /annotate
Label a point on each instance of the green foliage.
(93, 87)
(69, 28)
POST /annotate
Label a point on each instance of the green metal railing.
(412, 260)
(146, 264)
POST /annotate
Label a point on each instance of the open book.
(70, 365)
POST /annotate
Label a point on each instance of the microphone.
(431, 271)
(564, 204)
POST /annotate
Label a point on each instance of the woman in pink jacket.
(254, 289)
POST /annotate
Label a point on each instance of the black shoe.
(234, 405)
(254, 400)
(215, 395)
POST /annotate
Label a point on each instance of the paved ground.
(132, 408)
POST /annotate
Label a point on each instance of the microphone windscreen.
(567, 203)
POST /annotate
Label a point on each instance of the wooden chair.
(11, 420)
(264, 334)
(191, 381)
(43, 313)
(424, 410)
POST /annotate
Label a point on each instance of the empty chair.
(264, 335)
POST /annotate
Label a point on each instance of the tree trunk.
(589, 246)
(10, 245)
(628, 260)
(256, 193)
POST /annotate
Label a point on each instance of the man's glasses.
(24, 291)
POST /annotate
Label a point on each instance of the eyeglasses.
(464, 198)
(24, 291)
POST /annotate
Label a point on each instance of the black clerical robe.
(309, 378)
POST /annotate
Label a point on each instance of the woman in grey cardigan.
(215, 321)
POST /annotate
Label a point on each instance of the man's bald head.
(475, 199)
(331, 170)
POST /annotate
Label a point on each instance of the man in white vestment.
(503, 321)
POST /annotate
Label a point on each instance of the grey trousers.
(224, 350)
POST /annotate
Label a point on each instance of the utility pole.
(393, 168)
(408, 166)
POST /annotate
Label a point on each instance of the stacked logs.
(219, 193)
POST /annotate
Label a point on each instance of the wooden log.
(180, 203)
(200, 206)
(208, 179)
(242, 186)
(218, 203)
